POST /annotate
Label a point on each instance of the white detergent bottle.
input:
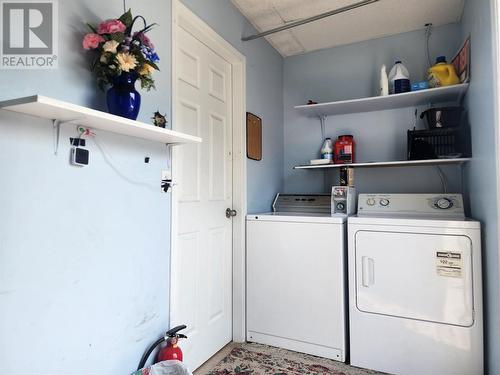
(384, 82)
(399, 79)
(327, 150)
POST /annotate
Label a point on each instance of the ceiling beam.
(310, 19)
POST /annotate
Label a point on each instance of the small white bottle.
(384, 81)
(327, 150)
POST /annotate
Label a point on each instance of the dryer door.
(415, 276)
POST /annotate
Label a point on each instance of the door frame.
(182, 16)
(495, 28)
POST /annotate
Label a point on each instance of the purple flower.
(144, 39)
(154, 57)
(150, 54)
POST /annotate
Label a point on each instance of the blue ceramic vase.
(122, 98)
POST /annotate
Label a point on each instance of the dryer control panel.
(441, 205)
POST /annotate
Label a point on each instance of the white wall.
(349, 72)
(84, 253)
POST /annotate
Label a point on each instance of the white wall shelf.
(67, 113)
(378, 103)
(402, 163)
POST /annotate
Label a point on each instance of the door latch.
(230, 213)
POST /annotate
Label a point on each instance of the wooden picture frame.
(254, 137)
(461, 62)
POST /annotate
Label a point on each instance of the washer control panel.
(446, 205)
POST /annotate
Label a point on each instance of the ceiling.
(384, 18)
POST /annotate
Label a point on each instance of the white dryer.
(415, 299)
(296, 279)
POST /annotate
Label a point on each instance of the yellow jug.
(442, 74)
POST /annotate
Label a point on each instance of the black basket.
(439, 143)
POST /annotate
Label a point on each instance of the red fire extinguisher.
(171, 351)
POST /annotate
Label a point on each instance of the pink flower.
(111, 27)
(91, 41)
(144, 39)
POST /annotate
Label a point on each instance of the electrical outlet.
(79, 156)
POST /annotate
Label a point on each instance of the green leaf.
(152, 64)
(148, 28)
(127, 18)
(139, 57)
(93, 65)
(102, 84)
(147, 82)
(135, 19)
(92, 28)
(119, 37)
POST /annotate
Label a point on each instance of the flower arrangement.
(120, 50)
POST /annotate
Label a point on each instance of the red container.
(344, 150)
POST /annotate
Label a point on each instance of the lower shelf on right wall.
(402, 163)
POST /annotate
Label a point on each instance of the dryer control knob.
(443, 203)
(384, 202)
(370, 202)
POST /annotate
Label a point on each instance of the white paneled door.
(202, 234)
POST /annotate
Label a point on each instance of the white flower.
(110, 46)
(127, 61)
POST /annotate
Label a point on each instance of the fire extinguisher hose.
(148, 352)
(172, 332)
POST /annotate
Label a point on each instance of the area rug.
(256, 359)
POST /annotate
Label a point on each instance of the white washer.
(296, 279)
(415, 299)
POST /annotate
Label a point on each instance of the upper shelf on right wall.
(379, 103)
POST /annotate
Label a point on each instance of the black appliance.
(444, 117)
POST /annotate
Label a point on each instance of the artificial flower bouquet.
(120, 50)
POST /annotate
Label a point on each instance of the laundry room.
(207, 187)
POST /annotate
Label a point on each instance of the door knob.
(230, 213)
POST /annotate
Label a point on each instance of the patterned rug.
(256, 359)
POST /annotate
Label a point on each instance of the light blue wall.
(264, 97)
(349, 72)
(481, 177)
(84, 253)
(72, 81)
